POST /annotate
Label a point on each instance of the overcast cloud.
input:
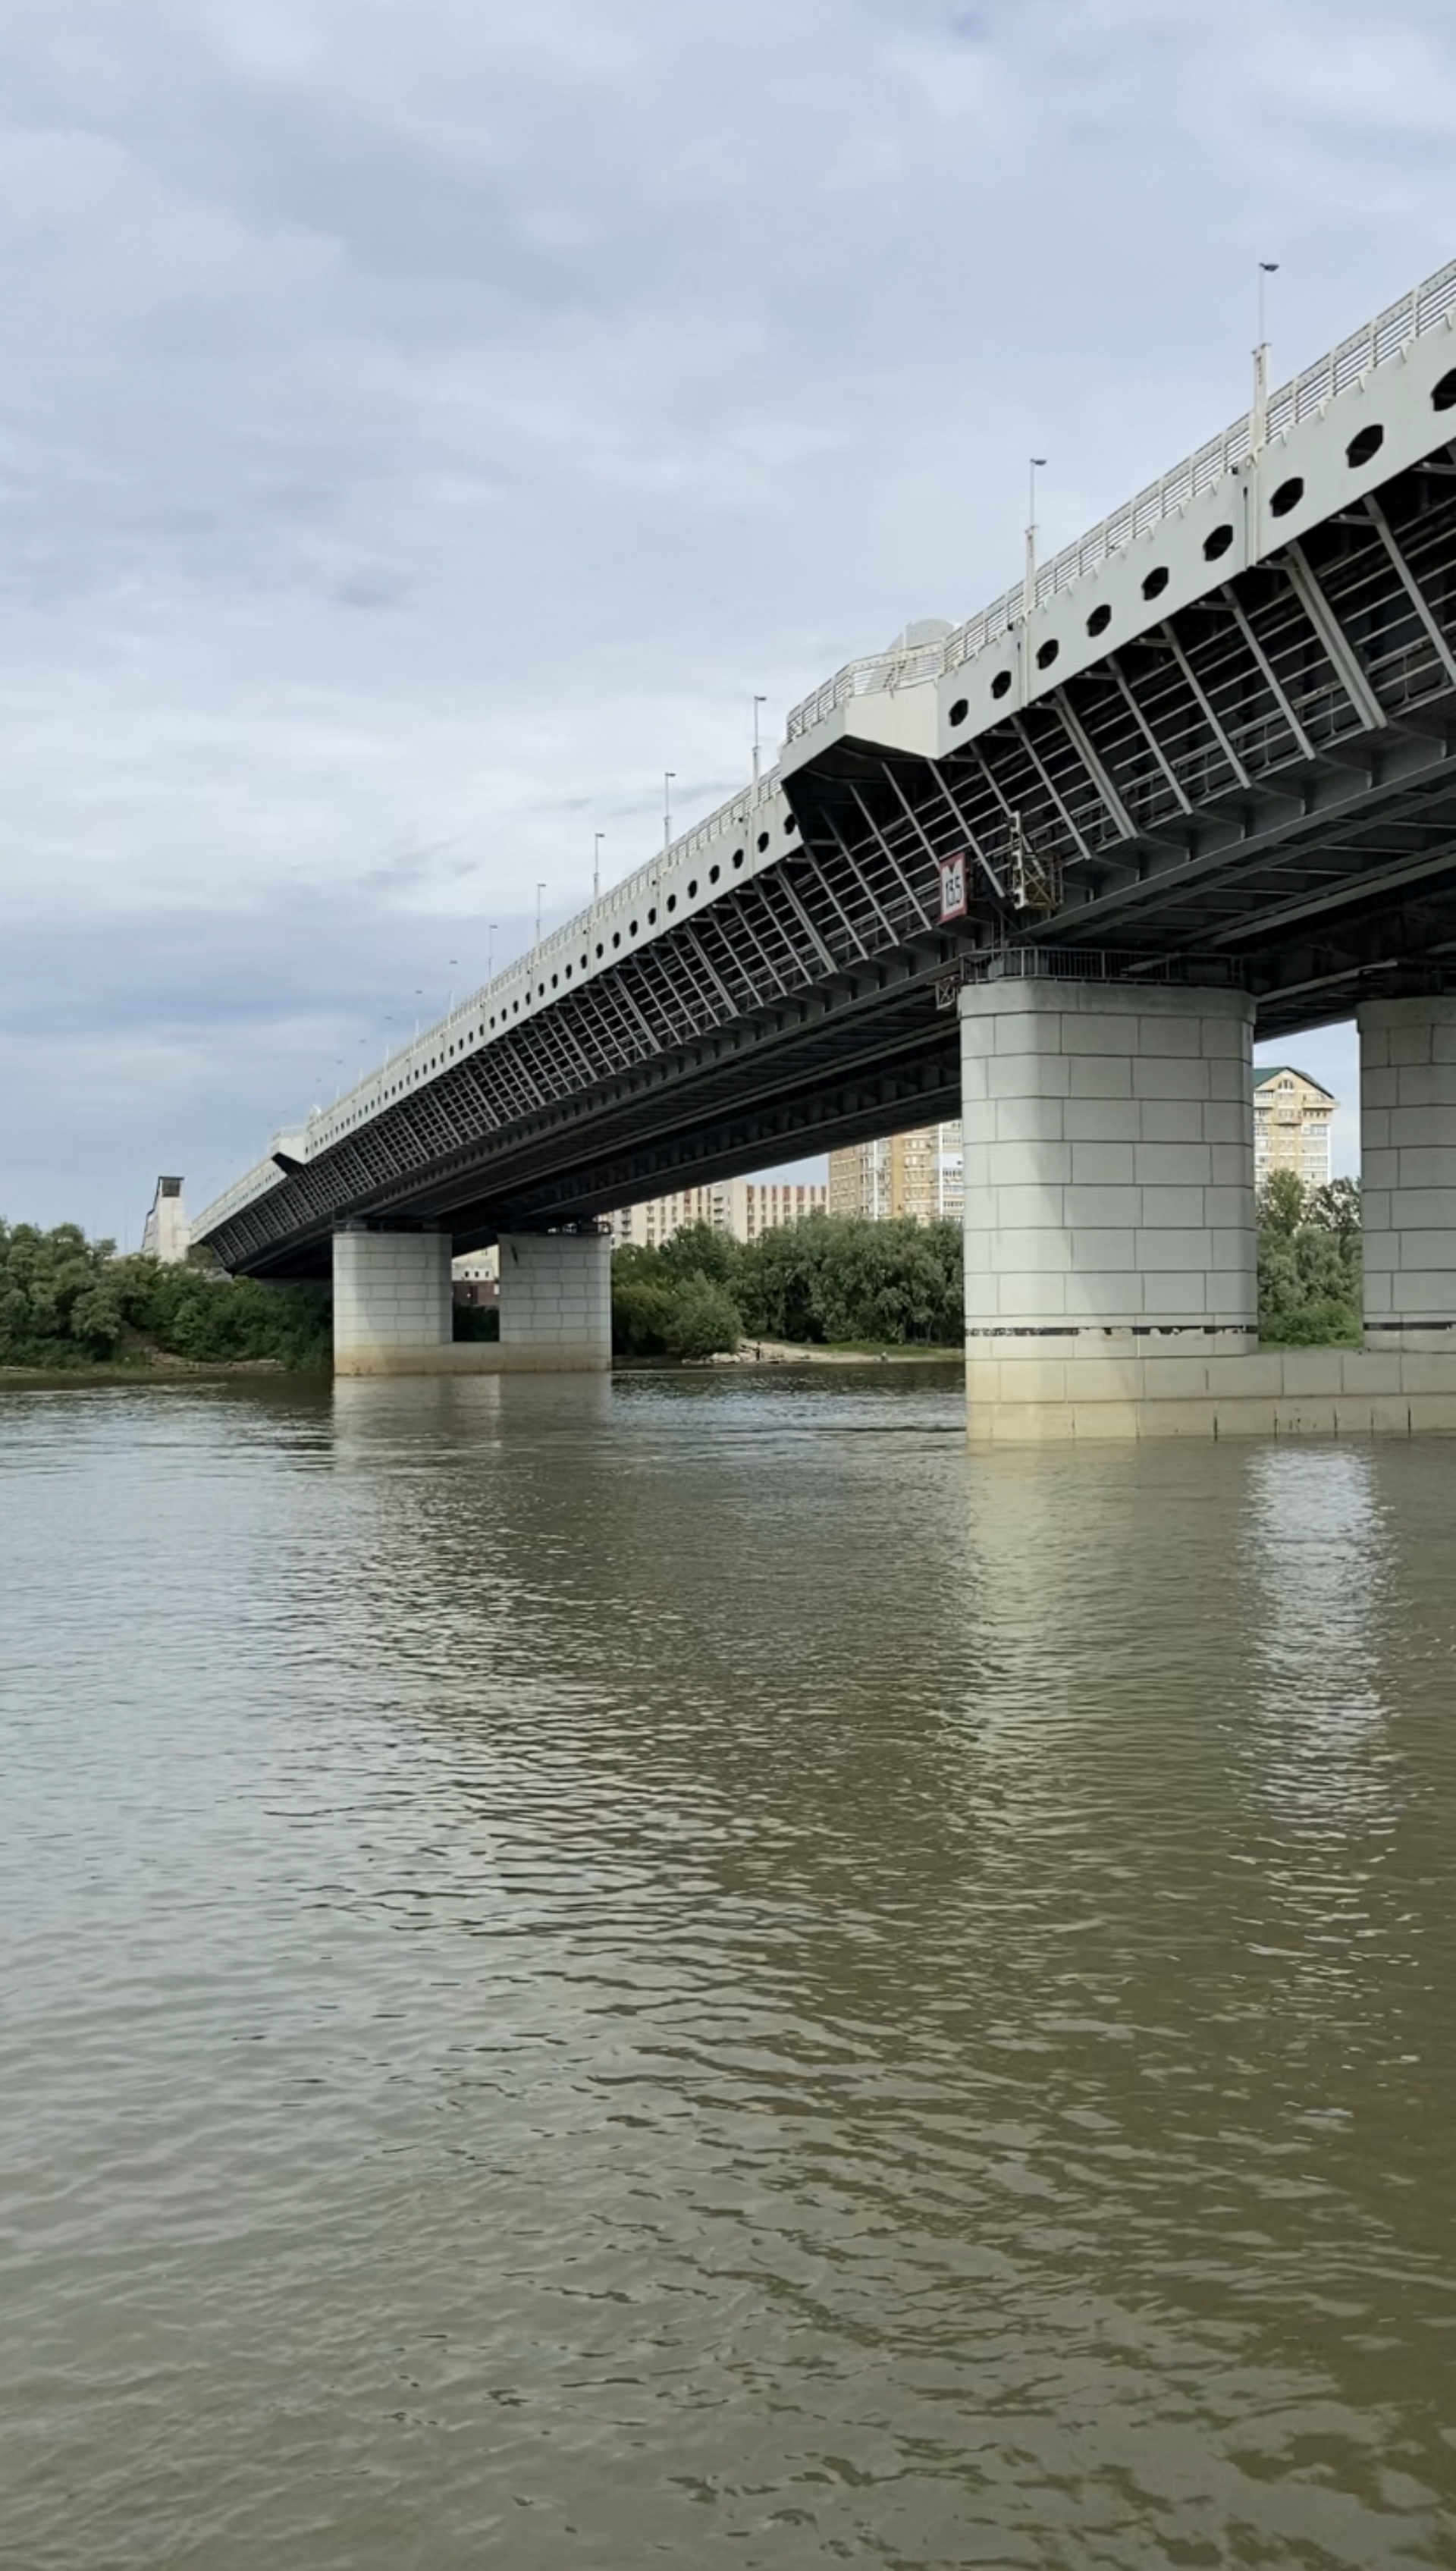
(425, 421)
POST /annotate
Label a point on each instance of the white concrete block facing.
(1097, 1249)
(1100, 1075)
(1410, 1044)
(1029, 1208)
(1103, 1120)
(1028, 1075)
(1122, 1079)
(1422, 1207)
(1426, 1085)
(1429, 1166)
(1182, 1250)
(1232, 1082)
(1419, 1128)
(1102, 1164)
(1029, 1164)
(1031, 1297)
(1173, 1120)
(1175, 1165)
(1224, 1210)
(1223, 1120)
(1112, 1296)
(391, 1292)
(1170, 1034)
(1430, 1250)
(978, 1032)
(1104, 1208)
(556, 1296)
(1026, 1030)
(1102, 1031)
(1178, 1209)
(1227, 1038)
(1173, 1295)
(1029, 1120)
(1047, 1253)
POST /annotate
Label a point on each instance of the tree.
(66, 1301)
(1281, 1204)
(829, 1279)
(1336, 1207)
(1309, 1264)
(702, 1320)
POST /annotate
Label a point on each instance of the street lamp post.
(1036, 463)
(669, 775)
(491, 927)
(540, 889)
(597, 837)
(1259, 417)
(757, 702)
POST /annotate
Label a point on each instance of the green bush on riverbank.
(829, 1281)
(66, 1301)
(1310, 1272)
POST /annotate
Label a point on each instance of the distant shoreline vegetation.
(834, 1281)
(68, 1303)
(831, 1280)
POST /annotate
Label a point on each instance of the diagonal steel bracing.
(1271, 771)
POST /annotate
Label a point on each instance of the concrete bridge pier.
(1408, 1175)
(394, 1308)
(1110, 1244)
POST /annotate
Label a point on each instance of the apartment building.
(1292, 1121)
(741, 1208)
(918, 1176)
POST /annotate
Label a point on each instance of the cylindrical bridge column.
(556, 1302)
(1408, 1174)
(392, 1302)
(1109, 1207)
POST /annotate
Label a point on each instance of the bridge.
(1051, 870)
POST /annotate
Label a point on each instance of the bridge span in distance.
(1051, 870)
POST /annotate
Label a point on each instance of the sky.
(427, 421)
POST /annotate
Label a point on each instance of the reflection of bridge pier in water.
(1187, 785)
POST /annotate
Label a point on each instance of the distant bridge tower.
(167, 1233)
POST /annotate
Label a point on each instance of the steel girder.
(1269, 776)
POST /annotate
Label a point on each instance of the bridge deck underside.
(1263, 787)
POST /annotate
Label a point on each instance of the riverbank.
(160, 1368)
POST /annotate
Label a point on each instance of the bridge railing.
(252, 1184)
(1423, 309)
(560, 945)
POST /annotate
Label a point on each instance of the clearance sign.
(953, 904)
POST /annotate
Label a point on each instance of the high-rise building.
(919, 1176)
(1291, 1119)
(741, 1208)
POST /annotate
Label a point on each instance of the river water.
(686, 1971)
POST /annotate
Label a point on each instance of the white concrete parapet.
(1408, 1174)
